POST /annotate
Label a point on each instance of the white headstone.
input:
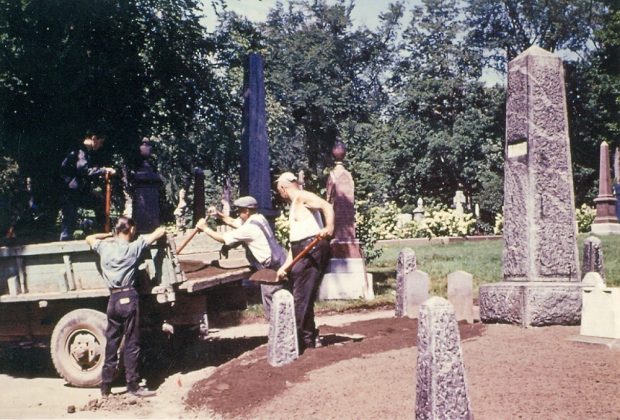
(461, 295)
(600, 315)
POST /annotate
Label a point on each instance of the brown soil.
(512, 373)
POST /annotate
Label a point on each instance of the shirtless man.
(305, 223)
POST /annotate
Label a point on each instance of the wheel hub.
(85, 349)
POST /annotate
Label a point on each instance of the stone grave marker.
(605, 222)
(541, 277)
(461, 295)
(255, 176)
(405, 265)
(593, 256)
(346, 276)
(601, 311)
(441, 386)
(282, 347)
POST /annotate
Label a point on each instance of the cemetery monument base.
(531, 304)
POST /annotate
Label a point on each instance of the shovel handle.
(189, 238)
(304, 252)
(108, 202)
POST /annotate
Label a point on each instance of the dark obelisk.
(255, 176)
(542, 283)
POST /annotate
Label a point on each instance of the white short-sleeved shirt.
(119, 260)
(252, 236)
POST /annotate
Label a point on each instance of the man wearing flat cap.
(305, 223)
(252, 230)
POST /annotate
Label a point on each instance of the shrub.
(585, 215)
(439, 221)
(498, 229)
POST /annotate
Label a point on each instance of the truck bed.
(68, 270)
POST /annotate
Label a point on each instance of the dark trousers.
(74, 200)
(305, 279)
(123, 321)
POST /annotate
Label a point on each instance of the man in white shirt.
(252, 230)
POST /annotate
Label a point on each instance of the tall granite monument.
(255, 178)
(346, 276)
(541, 280)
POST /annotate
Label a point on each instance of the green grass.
(482, 259)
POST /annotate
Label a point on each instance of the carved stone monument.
(441, 385)
(282, 347)
(605, 222)
(146, 185)
(418, 212)
(541, 279)
(458, 201)
(255, 177)
(181, 211)
(593, 256)
(346, 276)
(405, 267)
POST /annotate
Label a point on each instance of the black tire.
(78, 347)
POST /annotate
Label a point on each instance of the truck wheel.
(78, 347)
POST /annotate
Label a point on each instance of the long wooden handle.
(304, 252)
(189, 238)
(108, 202)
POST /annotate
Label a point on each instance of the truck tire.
(78, 347)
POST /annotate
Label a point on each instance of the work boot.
(138, 391)
(106, 390)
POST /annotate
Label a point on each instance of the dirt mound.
(249, 381)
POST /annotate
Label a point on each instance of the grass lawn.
(482, 259)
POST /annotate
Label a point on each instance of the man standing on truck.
(78, 171)
(252, 230)
(305, 277)
(119, 260)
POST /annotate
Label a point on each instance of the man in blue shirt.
(119, 259)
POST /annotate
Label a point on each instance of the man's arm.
(90, 239)
(155, 235)
(213, 212)
(202, 225)
(314, 202)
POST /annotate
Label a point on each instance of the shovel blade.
(266, 275)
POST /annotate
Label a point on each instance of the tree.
(444, 121)
(133, 67)
(505, 28)
(324, 78)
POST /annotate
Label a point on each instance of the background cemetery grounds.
(482, 259)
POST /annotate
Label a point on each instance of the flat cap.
(246, 202)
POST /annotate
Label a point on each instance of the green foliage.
(585, 216)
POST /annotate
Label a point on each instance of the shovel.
(268, 275)
(108, 202)
(189, 238)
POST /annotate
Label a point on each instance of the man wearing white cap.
(253, 231)
(305, 276)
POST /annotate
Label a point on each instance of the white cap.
(286, 177)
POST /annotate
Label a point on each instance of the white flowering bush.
(445, 222)
(282, 229)
(498, 229)
(585, 216)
